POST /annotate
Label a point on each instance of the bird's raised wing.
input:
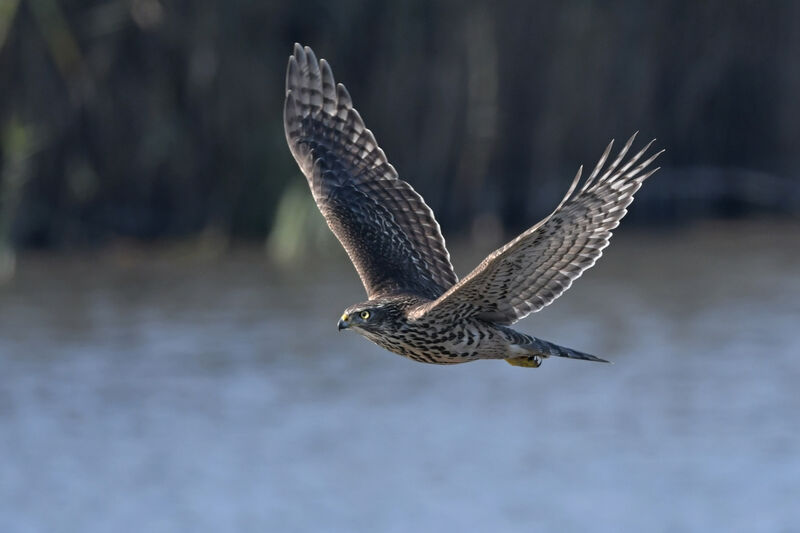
(386, 228)
(534, 269)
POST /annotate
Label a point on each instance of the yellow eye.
(364, 315)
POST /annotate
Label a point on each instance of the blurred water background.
(168, 292)
(145, 395)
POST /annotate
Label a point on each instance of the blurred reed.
(162, 120)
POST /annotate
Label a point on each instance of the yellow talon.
(533, 361)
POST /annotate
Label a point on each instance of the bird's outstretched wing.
(386, 228)
(534, 269)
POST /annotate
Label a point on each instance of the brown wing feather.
(534, 269)
(386, 228)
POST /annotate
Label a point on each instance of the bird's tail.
(538, 349)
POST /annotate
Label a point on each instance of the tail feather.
(540, 349)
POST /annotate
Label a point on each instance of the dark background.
(162, 120)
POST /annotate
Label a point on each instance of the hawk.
(416, 305)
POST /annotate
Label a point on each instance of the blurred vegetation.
(153, 119)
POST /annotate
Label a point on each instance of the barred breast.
(465, 341)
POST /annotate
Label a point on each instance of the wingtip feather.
(343, 96)
(328, 88)
(299, 54)
(598, 166)
(291, 74)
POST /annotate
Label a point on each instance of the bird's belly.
(458, 344)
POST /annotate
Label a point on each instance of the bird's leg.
(529, 361)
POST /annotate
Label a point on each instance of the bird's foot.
(532, 361)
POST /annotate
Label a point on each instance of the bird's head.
(370, 316)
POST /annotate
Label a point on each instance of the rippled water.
(140, 395)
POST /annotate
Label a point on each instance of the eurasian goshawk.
(416, 305)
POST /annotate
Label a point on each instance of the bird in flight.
(416, 305)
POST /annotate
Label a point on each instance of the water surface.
(142, 394)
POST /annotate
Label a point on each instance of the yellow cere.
(345, 318)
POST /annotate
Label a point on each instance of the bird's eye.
(364, 315)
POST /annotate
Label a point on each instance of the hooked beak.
(344, 322)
